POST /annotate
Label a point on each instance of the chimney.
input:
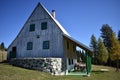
(53, 13)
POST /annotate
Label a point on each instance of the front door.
(13, 52)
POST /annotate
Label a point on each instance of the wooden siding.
(71, 51)
(52, 34)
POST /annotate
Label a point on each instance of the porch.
(78, 61)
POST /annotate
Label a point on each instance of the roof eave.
(81, 45)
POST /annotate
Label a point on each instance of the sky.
(80, 18)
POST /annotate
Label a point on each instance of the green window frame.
(43, 25)
(46, 44)
(29, 46)
(32, 27)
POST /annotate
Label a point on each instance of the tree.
(119, 35)
(102, 52)
(115, 50)
(2, 46)
(93, 45)
(106, 36)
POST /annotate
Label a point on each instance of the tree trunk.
(117, 65)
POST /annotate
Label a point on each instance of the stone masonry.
(50, 65)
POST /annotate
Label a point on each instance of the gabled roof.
(65, 33)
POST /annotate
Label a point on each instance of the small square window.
(43, 25)
(45, 44)
(32, 27)
(29, 46)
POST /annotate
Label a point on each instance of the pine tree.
(2, 46)
(115, 51)
(102, 52)
(106, 36)
(119, 35)
(93, 45)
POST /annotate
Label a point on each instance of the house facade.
(42, 36)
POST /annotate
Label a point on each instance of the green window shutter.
(29, 46)
(32, 27)
(46, 44)
(43, 25)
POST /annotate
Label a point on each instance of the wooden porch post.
(88, 63)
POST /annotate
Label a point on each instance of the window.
(32, 27)
(70, 61)
(45, 44)
(29, 46)
(43, 25)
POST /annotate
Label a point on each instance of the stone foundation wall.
(50, 65)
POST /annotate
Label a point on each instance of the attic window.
(32, 27)
(43, 25)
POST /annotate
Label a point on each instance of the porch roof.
(81, 45)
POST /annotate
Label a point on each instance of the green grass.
(8, 72)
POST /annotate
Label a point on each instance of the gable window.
(46, 44)
(43, 25)
(32, 27)
(29, 46)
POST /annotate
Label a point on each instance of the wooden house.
(42, 36)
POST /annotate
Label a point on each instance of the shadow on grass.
(97, 71)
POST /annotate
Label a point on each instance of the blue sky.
(81, 18)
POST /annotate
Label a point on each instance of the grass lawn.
(8, 72)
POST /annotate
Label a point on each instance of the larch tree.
(115, 51)
(102, 52)
(93, 45)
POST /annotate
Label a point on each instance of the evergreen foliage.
(93, 45)
(2, 46)
(115, 51)
(102, 52)
(106, 35)
(119, 35)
